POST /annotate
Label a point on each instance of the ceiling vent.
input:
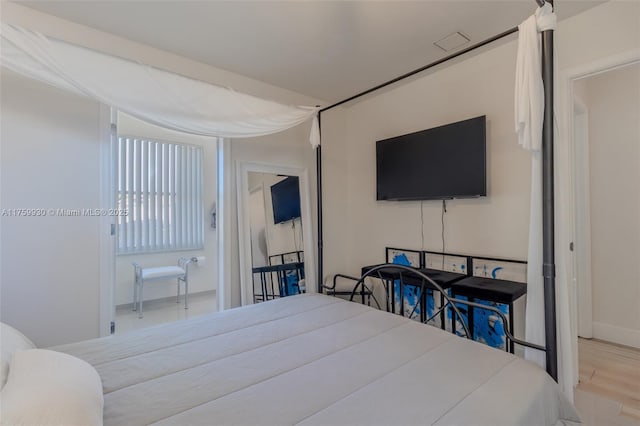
(452, 41)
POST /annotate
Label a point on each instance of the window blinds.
(159, 185)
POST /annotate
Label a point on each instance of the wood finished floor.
(611, 371)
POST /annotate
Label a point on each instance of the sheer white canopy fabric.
(529, 115)
(159, 97)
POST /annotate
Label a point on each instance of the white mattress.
(315, 360)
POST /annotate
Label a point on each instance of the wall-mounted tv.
(436, 164)
(285, 197)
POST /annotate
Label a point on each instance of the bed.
(315, 360)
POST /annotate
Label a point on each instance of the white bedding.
(315, 360)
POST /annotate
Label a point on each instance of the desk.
(281, 276)
(444, 279)
(477, 289)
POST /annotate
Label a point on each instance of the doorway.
(607, 159)
(605, 103)
(166, 181)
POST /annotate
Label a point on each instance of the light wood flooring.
(611, 371)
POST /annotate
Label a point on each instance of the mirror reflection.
(277, 257)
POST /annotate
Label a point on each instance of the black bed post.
(548, 238)
(319, 197)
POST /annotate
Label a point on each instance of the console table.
(444, 279)
(281, 276)
(490, 290)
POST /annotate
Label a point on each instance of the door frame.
(582, 232)
(108, 135)
(581, 302)
(244, 235)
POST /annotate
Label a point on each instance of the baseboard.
(164, 299)
(616, 334)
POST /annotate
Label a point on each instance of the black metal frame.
(470, 272)
(420, 254)
(377, 272)
(468, 258)
(282, 255)
(548, 271)
(365, 292)
(281, 272)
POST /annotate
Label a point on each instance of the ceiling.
(328, 50)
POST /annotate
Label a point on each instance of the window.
(159, 184)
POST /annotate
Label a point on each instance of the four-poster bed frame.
(308, 359)
(548, 268)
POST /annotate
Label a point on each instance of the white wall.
(202, 276)
(287, 148)
(335, 205)
(577, 43)
(494, 226)
(358, 227)
(50, 159)
(614, 145)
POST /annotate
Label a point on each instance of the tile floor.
(165, 310)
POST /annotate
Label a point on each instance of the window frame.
(138, 241)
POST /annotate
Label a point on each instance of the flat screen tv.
(436, 164)
(285, 197)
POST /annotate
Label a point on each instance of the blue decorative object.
(411, 293)
(487, 326)
(401, 259)
(291, 283)
(494, 272)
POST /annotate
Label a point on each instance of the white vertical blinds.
(160, 187)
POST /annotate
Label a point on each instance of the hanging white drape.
(159, 97)
(529, 115)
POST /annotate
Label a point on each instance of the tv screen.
(435, 164)
(285, 197)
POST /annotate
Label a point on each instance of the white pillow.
(11, 340)
(51, 388)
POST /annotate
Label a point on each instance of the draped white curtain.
(159, 97)
(529, 114)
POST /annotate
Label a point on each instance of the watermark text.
(61, 212)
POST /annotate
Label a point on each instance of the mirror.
(276, 254)
(275, 228)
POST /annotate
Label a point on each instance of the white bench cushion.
(162, 272)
